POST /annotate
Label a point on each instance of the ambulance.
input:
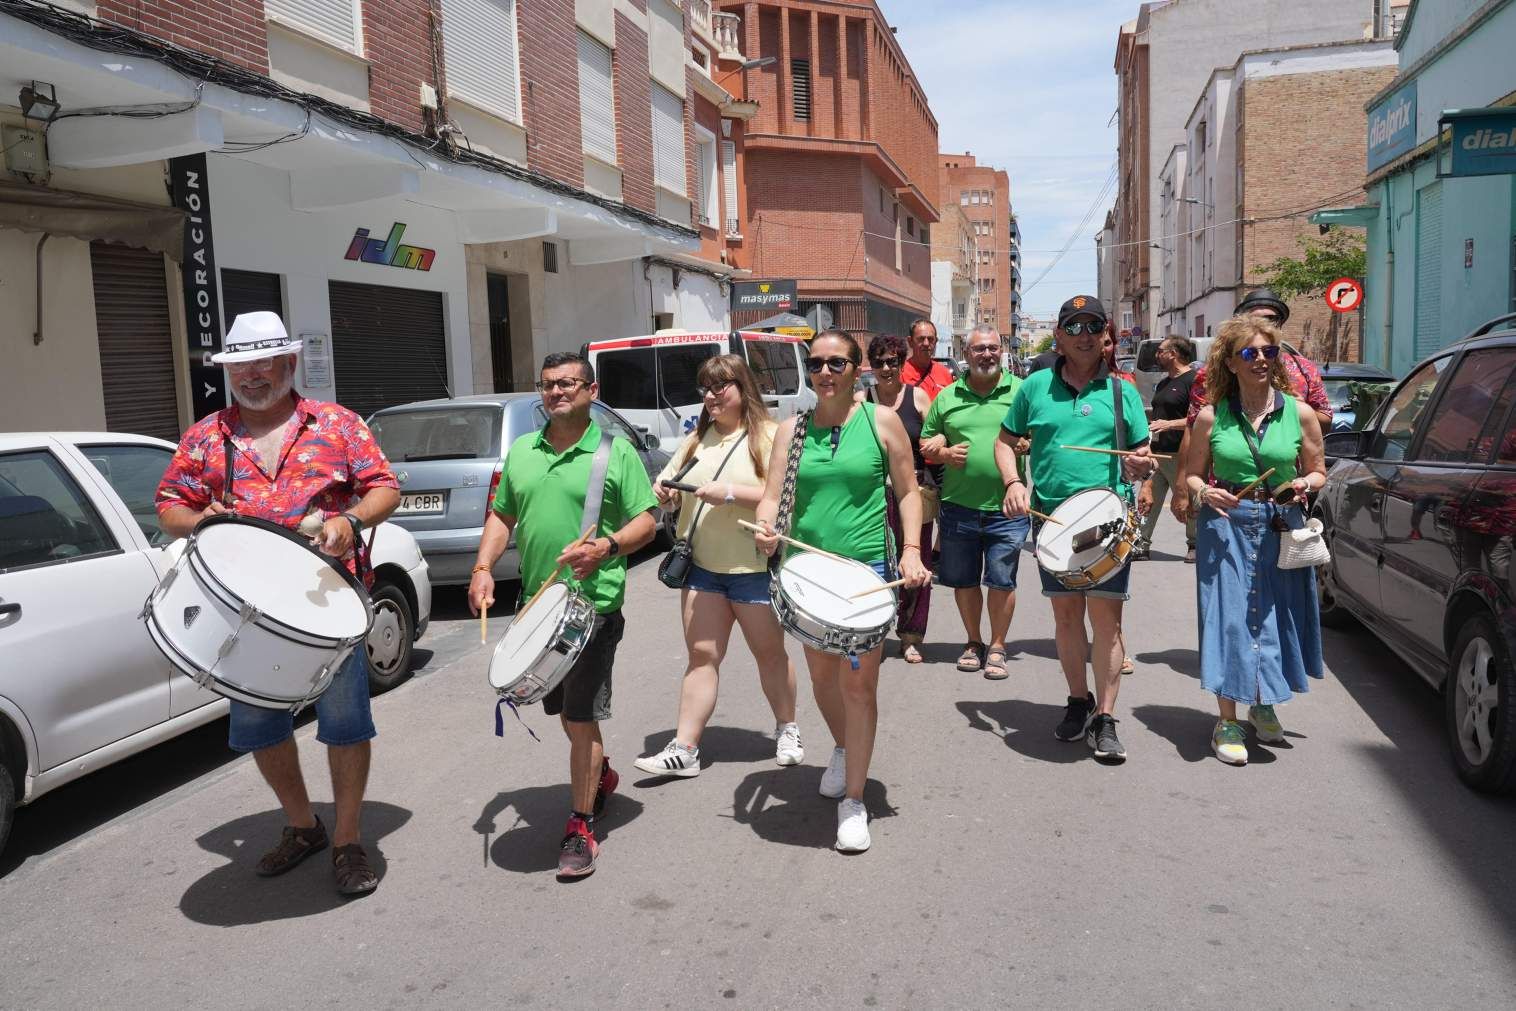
(651, 380)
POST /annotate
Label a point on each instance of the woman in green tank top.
(839, 505)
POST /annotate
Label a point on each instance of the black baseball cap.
(1264, 298)
(1081, 305)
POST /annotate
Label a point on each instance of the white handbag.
(1304, 548)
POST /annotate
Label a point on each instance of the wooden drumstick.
(484, 622)
(1044, 517)
(792, 542)
(1118, 452)
(557, 573)
(878, 589)
(1254, 483)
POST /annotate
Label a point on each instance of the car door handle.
(6, 610)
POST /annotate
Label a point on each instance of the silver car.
(449, 455)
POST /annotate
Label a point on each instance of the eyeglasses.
(715, 389)
(1251, 354)
(885, 362)
(837, 365)
(1078, 327)
(985, 349)
(559, 385)
(256, 365)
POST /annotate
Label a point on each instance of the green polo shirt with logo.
(962, 415)
(1052, 414)
(544, 490)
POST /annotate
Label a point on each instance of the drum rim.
(257, 521)
(563, 621)
(886, 625)
(167, 645)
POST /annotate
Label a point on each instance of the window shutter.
(479, 37)
(329, 20)
(702, 193)
(597, 100)
(800, 78)
(729, 184)
(1429, 271)
(668, 140)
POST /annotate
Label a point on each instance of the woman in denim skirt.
(1260, 630)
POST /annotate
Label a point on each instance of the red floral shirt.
(1304, 376)
(327, 463)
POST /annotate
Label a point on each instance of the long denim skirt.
(1260, 629)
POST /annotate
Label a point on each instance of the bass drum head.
(282, 578)
(1078, 514)
(822, 588)
(528, 637)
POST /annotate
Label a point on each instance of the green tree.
(1322, 261)
(1046, 344)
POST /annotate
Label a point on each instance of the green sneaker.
(1230, 743)
(1266, 724)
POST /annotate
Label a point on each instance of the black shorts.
(584, 696)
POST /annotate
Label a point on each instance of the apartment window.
(963, 198)
(705, 177)
(729, 186)
(881, 200)
(668, 140)
(910, 226)
(333, 21)
(800, 83)
(597, 100)
(482, 67)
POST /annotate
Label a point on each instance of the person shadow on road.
(528, 843)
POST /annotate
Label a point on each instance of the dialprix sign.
(775, 296)
(1483, 142)
(1392, 127)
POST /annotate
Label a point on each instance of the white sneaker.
(673, 760)
(852, 826)
(834, 779)
(787, 750)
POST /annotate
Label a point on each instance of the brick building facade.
(983, 195)
(840, 164)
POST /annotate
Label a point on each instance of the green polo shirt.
(1052, 414)
(964, 416)
(544, 490)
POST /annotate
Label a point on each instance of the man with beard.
(921, 369)
(980, 545)
(1073, 404)
(278, 456)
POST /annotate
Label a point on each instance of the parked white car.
(81, 684)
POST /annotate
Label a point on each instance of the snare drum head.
(822, 588)
(282, 578)
(1078, 514)
(528, 636)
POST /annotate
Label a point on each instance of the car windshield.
(1337, 392)
(439, 433)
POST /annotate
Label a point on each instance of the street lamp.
(38, 100)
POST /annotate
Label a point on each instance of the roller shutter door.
(389, 345)
(136, 342)
(1429, 271)
(250, 291)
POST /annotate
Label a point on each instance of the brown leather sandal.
(972, 658)
(994, 666)
(294, 846)
(351, 868)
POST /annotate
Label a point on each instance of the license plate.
(421, 504)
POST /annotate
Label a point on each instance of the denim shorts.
(342, 713)
(1114, 588)
(980, 547)
(584, 694)
(738, 587)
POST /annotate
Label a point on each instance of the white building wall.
(942, 300)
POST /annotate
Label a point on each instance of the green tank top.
(839, 494)
(1231, 460)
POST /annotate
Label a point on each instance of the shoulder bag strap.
(1250, 437)
(227, 498)
(695, 519)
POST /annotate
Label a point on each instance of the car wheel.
(389, 641)
(1328, 596)
(1480, 691)
(7, 805)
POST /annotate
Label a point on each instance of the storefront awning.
(90, 217)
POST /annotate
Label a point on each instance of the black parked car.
(1340, 379)
(1420, 512)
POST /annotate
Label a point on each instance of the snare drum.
(252, 612)
(1098, 531)
(540, 646)
(813, 599)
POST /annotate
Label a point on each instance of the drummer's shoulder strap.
(594, 492)
(1120, 424)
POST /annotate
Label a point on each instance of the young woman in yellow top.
(729, 582)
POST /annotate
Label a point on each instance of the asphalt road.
(1345, 868)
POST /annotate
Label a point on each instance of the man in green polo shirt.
(980, 544)
(1071, 404)
(541, 498)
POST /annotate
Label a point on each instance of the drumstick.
(484, 622)
(557, 573)
(1117, 452)
(1254, 484)
(876, 589)
(1044, 517)
(791, 541)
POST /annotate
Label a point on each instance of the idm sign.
(1483, 141)
(1392, 127)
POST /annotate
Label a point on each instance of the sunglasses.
(1253, 354)
(836, 365)
(715, 389)
(885, 362)
(1078, 327)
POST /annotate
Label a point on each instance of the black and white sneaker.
(674, 760)
(1102, 739)
(1075, 717)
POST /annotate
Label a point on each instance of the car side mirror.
(1346, 445)
(646, 438)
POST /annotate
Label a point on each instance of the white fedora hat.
(256, 335)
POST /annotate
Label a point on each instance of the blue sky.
(1027, 86)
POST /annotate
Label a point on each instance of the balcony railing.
(727, 29)
(700, 15)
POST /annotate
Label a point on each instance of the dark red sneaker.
(609, 780)
(577, 852)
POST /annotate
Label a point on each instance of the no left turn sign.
(1344, 295)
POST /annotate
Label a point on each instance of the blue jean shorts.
(980, 547)
(738, 587)
(342, 713)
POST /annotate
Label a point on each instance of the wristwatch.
(356, 523)
(615, 548)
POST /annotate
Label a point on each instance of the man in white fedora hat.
(278, 456)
